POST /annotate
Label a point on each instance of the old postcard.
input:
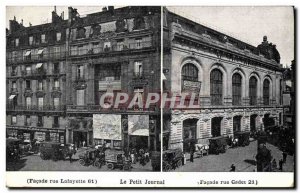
(150, 96)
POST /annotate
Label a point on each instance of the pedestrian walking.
(284, 155)
(232, 168)
(192, 151)
(280, 164)
(274, 164)
(83, 144)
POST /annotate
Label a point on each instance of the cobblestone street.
(242, 157)
(35, 163)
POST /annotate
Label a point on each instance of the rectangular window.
(28, 70)
(120, 45)
(56, 52)
(82, 49)
(58, 36)
(138, 68)
(13, 70)
(40, 103)
(17, 42)
(56, 102)
(40, 85)
(28, 102)
(40, 122)
(55, 121)
(43, 38)
(56, 84)
(30, 40)
(80, 97)
(138, 43)
(28, 120)
(14, 85)
(107, 46)
(28, 84)
(56, 68)
(14, 120)
(96, 48)
(80, 71)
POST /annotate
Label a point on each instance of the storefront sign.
(40, 136)
(138, 125)
(106, 126)
(191, 86)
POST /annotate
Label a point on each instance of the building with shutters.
(239, 85)
(57, 73)
(36, 80)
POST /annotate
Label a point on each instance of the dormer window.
(58, 36)
(30, 40)
(17, 42)
(43, 38)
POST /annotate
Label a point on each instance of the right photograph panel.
(228, 84)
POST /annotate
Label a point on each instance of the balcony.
(138, 75)
(122, 108)
(115, 48)
(34, 73)
(55, 125)
(35, 108)
(37, 57)
(56, 88)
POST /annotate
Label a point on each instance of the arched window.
(266, 92)
(236, 89)
(189, 72)
(253, 90)
(216, 87)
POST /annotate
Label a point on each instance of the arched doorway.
(268, 121)
(253, 123)
(216, 126)
(189, 133)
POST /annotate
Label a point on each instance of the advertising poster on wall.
(138, 125)
(106, 126)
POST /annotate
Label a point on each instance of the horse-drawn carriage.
(56, 151)
(93, 157)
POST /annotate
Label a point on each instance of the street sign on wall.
(107, 126)
(191, 86)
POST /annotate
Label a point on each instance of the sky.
(247, 24)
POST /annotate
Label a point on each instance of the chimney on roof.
(21, 21)
(30, 24)
(15, 18)
(104, 9)
(62, 15)
(55, 9)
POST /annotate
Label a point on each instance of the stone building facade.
(70, 63)
(36, 80)
(240, 86)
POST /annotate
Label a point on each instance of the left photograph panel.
(83, 88)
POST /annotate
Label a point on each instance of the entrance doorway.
(253, 123)
(216, 126)
(138, 142)
(268, 121)
(237, 123)
(189, 133)
(79, 137)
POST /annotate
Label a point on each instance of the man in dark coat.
(192, 151)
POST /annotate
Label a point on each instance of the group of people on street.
(141, 156)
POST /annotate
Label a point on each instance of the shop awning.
(27, 53)
(163, 76)
(11, 97)
(38, 65)
(40, 51)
